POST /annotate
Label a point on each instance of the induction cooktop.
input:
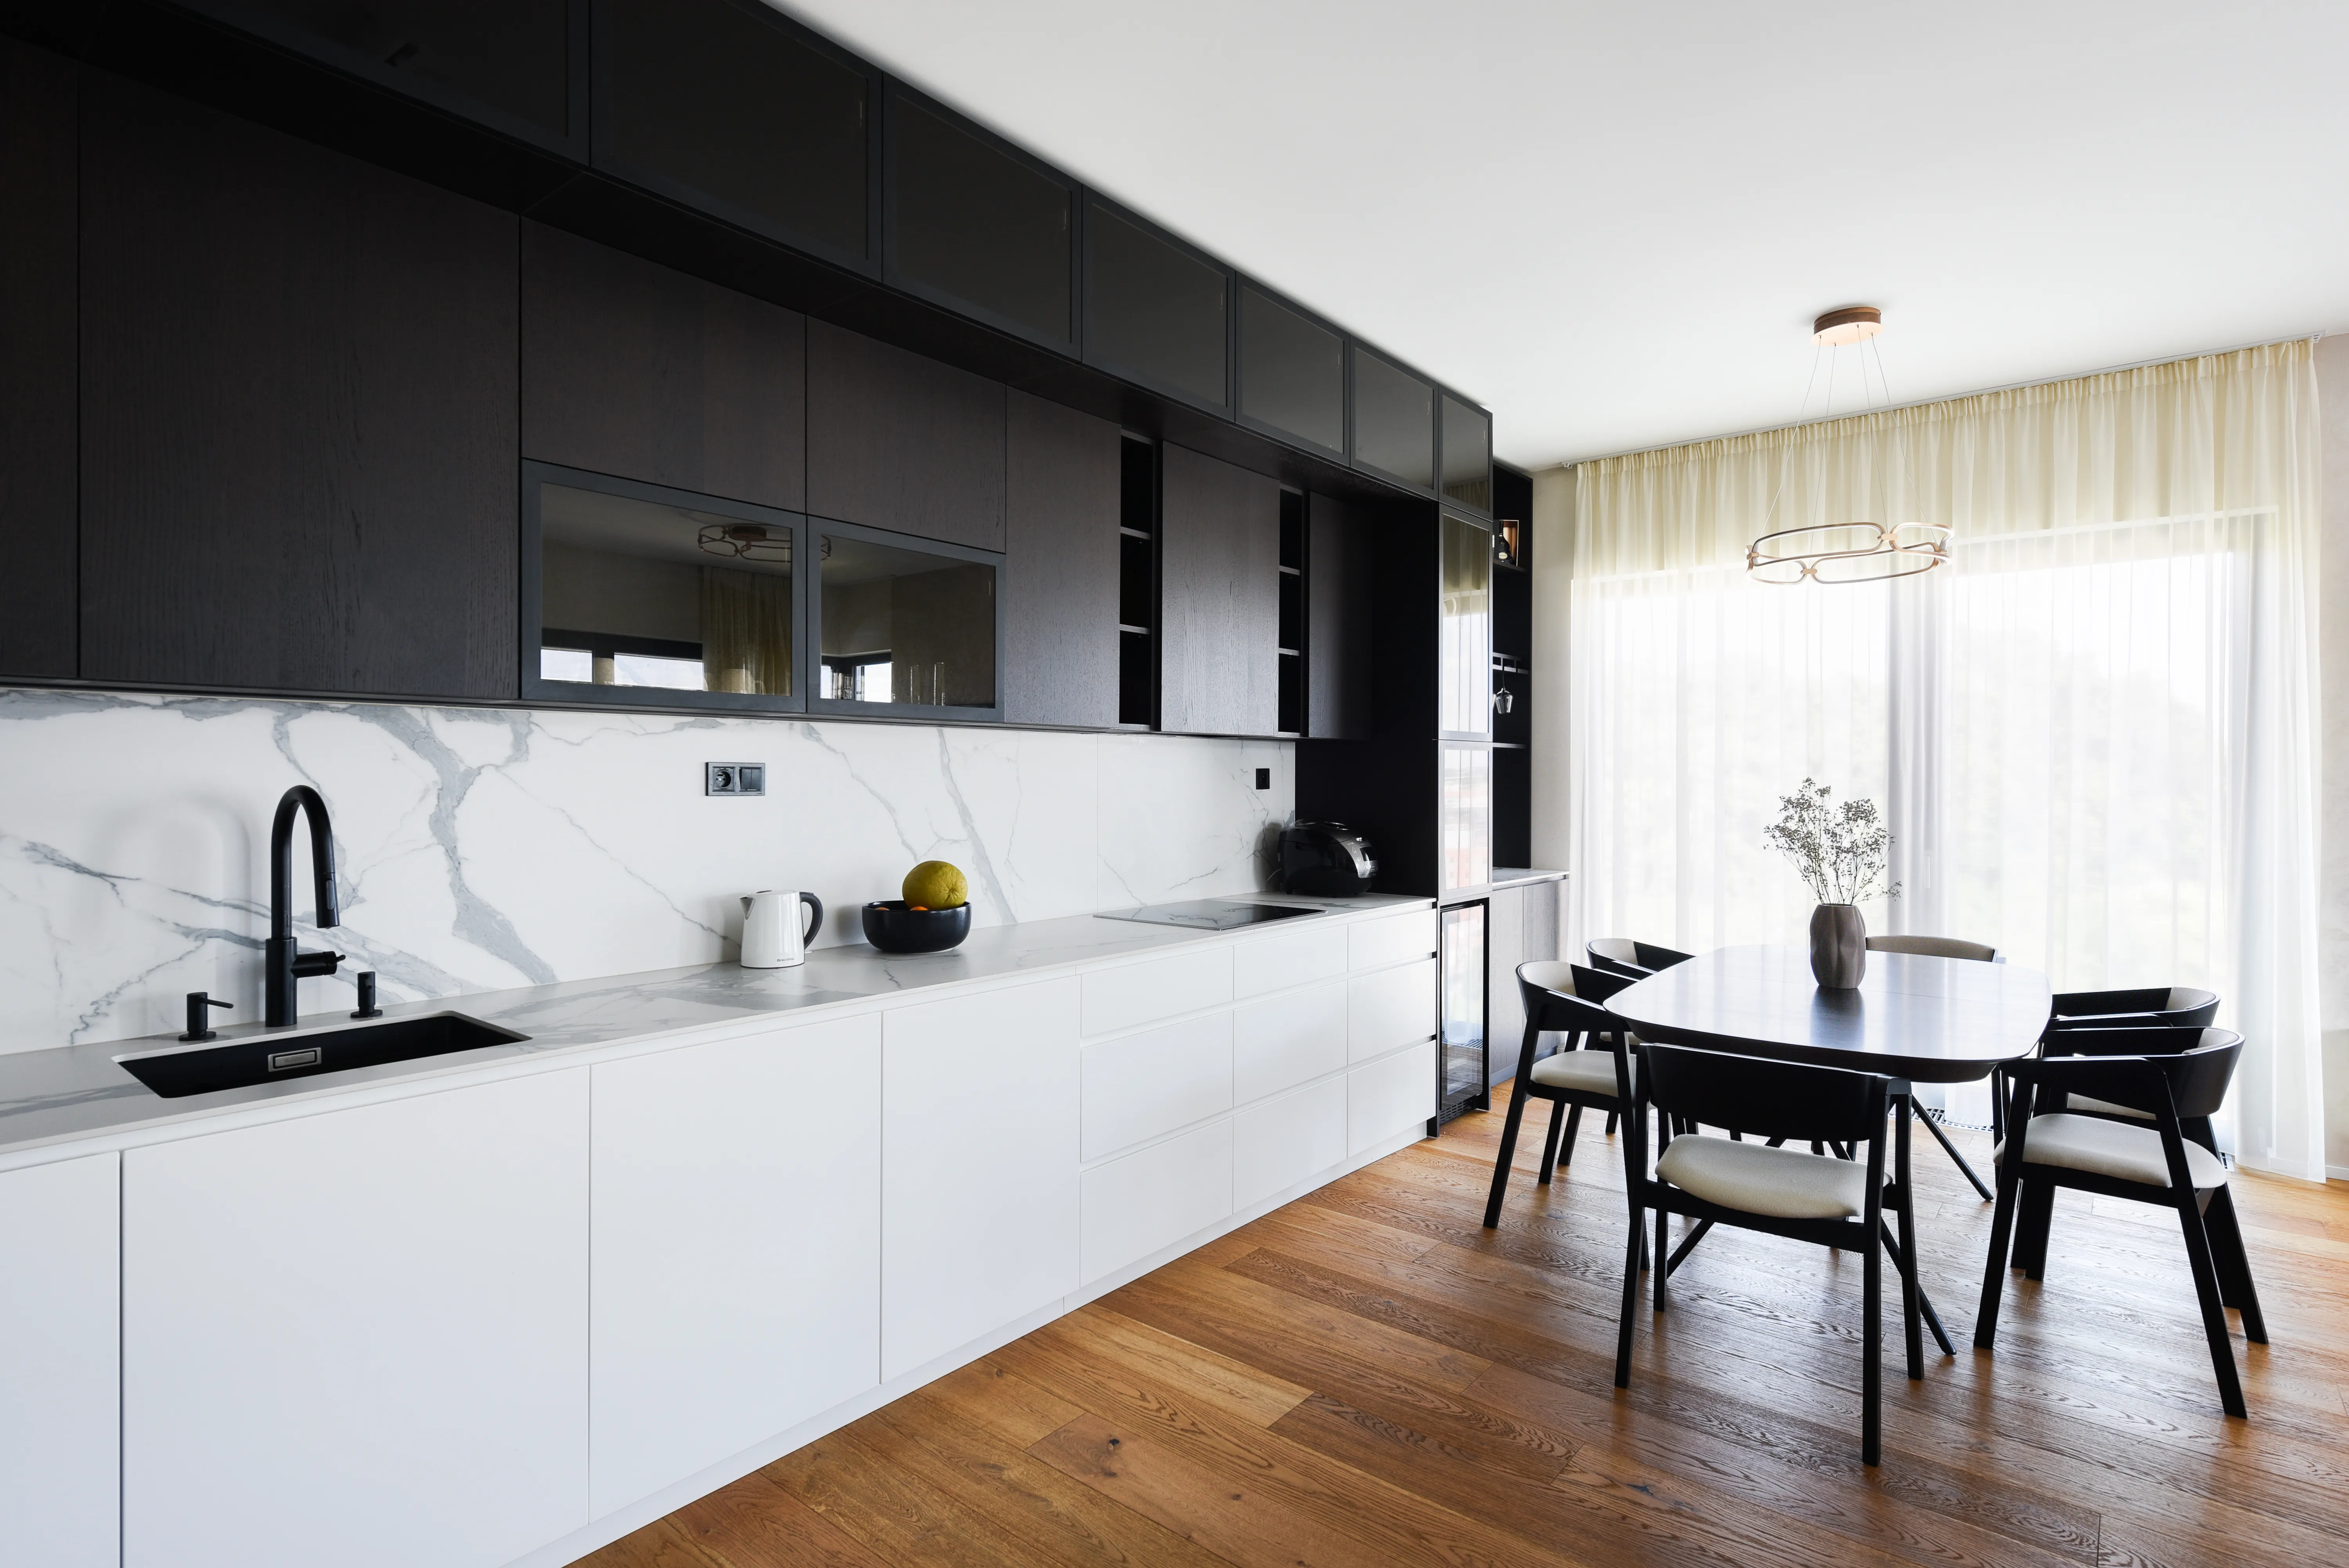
(1212, 914)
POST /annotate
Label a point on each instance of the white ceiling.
(1613, 223)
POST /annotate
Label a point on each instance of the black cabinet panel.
(1395, 421)
(724, 104)
(899, 441)
(1155, 309)
(1338, 623)
(1467, 455)
(979, 224)
(508, 61)
(299, 448)
(1061, 572)
(37, 363)
(1292, 372)
(630, 368)
(1219, 598)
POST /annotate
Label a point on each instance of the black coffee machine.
(1325, 859)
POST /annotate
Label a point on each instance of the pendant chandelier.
(1855, 552)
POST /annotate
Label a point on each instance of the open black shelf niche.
(1513, 655)
(1137, 583)
(1292, 612)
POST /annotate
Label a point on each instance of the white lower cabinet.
(1281, 1142)
(737, 1244)
(1287, 1039)
(978, 1185)
(1144, 1084)
(360, 1337)
(1154, 1197)
(1394, 1007)
(1389, 1097)
(60, 1364)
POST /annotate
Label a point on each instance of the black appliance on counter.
(1326, 859)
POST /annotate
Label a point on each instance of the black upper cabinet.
(1219, 598)
(726, 107)
(1467, 455)
(633, 369)
(520, 66)
(898, 442)
(38, 545)
(298, 387)
(974, 222)
(1156, 310)
(1061, 505)
(1395, 421)
(1292, 372)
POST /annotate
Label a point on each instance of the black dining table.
(1912, 1018)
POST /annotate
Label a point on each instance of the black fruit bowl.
(897, 927)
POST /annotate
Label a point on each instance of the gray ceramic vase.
(1839, 946)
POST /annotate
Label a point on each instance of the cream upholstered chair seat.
(2108, 1148)
(1590, 1072)
(1935, 947)
(2090, 1102)
(1782, 1183)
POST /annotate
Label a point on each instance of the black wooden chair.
(1827, 1201)
(1563, 998)
(1632, 959)
(1936, 947)
(2173, 1080)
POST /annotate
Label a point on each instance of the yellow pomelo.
(937, 885)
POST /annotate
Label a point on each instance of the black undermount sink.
(267, 1058)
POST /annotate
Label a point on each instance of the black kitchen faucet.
(286, 962)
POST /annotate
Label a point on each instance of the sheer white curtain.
(2093, 732)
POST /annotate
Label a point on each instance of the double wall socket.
(734, 778)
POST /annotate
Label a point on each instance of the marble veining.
(485, 849)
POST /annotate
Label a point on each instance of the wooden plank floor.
(1369, 1376)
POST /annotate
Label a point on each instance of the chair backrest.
(1648, 955)
(2175, 1006)
(1598, 984)
(1764, 1097)
(1934, 947)
(1555, 999)
(2198, 1064)
(2188, 1008)
(1548, 975)
(1613, 950)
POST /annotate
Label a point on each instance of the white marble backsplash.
(483, 848)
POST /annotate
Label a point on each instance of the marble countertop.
(1523, 875)
(80, 1092)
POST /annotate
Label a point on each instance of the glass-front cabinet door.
(636, 593)
(1464, 651)
(905, 625)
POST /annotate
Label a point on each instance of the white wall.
(2333, 630)
(482, 848)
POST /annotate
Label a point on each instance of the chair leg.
(2235, 1286)
(1871, 1416)
(1611, 1124)
(2214, 1311)
(1559, 1147)
(2031, 1235)
(1997, 1106)
(1910, 1328)
(1517, 1097)
(2002, 1232)
(1661, 1272)
(1635, 1258)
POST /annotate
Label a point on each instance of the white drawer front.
(1292, 957)
(1140, 994)
(1134, 1206)
(1391, 939)
(1389, 1098)
(1144, 1084)
(1389, 1008)
(1284, 1040)
(1280, 1143)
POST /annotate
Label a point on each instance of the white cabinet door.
(359, 1338)
(1140, 1086)
(737, 1275)
(60, 1364)
(1389, 1098)
(978, 1162)
(1138, 993)
(1288, 1039)
(1293, 958)
(1281, 1142)
(1391, 938)
(1155, 1198)
(1392, 1008)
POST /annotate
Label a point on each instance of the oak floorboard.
(1367, 1375)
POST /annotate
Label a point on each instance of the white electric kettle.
(777, 928)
